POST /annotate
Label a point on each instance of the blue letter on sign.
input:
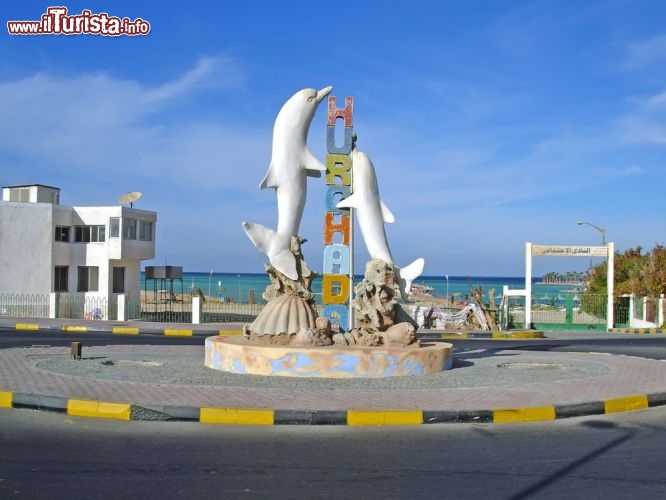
(338, 315)
(341, 192)
(336, 259)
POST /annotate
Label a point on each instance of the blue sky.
(489, 123)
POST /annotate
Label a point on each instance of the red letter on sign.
(330, 228)
(347, 113)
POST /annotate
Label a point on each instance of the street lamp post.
(600, 229)
(448, 300)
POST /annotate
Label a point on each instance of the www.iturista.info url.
(56, 21)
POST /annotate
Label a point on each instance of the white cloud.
(646, 122)
(630, 170)
(97, 136)
(646, 53)
(219, 72)
(657, 101)
(97, 126)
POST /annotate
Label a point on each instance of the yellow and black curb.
(494, 335)
(123, 330)
(639, 331)
(360, 417)
(189, 332)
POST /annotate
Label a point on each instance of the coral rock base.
(238, 355)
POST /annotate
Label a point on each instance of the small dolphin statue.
(372, 213)
(291, 164)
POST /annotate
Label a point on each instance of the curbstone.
(527, 414)
(27, 326)
(40, 402)
(120, 330)
(75, 328)
(238, 416)
(640, 331)
(6, 399)
(384, 417)
(458, 417)
(173, 332)
(264, 416)
(579, 409)
(656, 399)
(98, 409)
(627, 403)
(310, 417)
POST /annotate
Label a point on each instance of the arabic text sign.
(569, 251)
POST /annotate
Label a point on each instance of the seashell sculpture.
(289, 317)
(282, 318)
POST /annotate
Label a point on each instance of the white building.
(92, 251)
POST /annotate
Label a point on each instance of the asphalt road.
(45, 455)
(646, 346)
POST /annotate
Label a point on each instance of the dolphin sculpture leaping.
(291, 164)
(372, 213)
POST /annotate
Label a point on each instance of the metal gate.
(570, 311)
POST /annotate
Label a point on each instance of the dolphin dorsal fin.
(386, 213)
(350, 201)
(313, 167)
(269, 181)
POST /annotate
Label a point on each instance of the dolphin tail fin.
(264, 239)
(261, 236)
(408, 274)
(285, 262)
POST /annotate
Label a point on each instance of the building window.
(19, 194)
(60, 279)
(114, 227)
(145, 230)
(118, 280)
(129, 229)
(88, 279)
(62, 233)
(86, 234)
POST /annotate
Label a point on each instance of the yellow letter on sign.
(335, 294)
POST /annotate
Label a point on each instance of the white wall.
(26, 241)
(113, 252)
(29, 252)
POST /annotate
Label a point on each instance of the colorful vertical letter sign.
(336, 282)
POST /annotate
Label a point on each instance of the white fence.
(123, 308)
(646, 312)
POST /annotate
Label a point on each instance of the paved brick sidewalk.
(612, 377)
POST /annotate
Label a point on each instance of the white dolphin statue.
(291, 163)
(371, 214)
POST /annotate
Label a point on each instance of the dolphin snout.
(323, 93)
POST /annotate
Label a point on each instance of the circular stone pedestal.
(237, 355)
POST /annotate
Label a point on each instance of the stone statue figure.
(291, 164)
(289, 317)
(372, 213)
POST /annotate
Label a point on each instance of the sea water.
(239, 287)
